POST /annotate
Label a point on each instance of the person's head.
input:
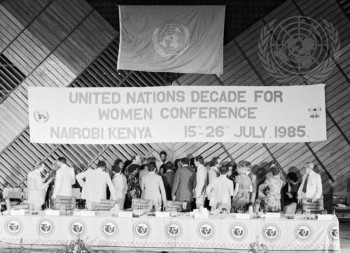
(309, 166)
(118, 162)
(224, 169)
(292, 177)
(243, 167)
(143, 160)
(116, 169)
(215, 162)
(152, 167)
(169, 166)
(136, 159)
(126, 163)
(228, 166)
(198, 161)
(163, 155)
(177, 164)
(61, 161)
(101, 164)
(40, 166)
(192, 164)
(185, 161)
(275, 169)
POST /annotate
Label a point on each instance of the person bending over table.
(153, 188)
(290, 192)
(95, 185)
(36, 188)
(220, 190)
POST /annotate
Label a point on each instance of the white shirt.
(212, 174)
(64, 179)
(36, 188)
(220, 190)
(120, 185)
(95, 185)
(314, 186)
(201, 177)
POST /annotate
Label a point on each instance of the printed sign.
(190, 114)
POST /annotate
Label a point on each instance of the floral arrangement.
(255, 247)
(76, 246)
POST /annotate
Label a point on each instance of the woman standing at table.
(270, 190)
(244, 186)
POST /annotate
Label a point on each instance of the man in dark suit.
(184, 183)
(168, 179)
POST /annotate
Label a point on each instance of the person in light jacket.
(95, 185)
(153, 188)
(36, 188)
(65, 178)
(120, 185)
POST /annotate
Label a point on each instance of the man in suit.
(168, 179)
(184, 183)
(36, 188)
(120, 185)
(95, 185)
(311, 185)
(64, 179)
(201, 181)
(153, 188)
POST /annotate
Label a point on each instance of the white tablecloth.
(223, 232)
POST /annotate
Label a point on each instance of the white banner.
(177, 114)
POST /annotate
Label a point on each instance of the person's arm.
(162, 189)
(111, 187)
(299, 196)
(261, 193)
(39, 185)
(72, 176)
(201, 177)
(318, 193)
(253, 195)
(210, 188)
(80, 178)
(58, 184)
(175, 183)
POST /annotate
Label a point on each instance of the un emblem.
(142, 229)
(299, 47)
(314, 112)
(271, 232)
(173, 230)
(206, 230)
(333, 232)
(77, 227)
(303, 232)
(109, 228)
(171, 39)
(238, 231)
(13, 226)
(46, 227)
(41, 116)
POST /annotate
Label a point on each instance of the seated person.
(220, 190)
(270, 191)
(243, 188)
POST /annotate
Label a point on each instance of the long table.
(220, 232)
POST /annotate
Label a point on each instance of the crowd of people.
(223, 185)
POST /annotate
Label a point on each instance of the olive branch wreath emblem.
(317, 74)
